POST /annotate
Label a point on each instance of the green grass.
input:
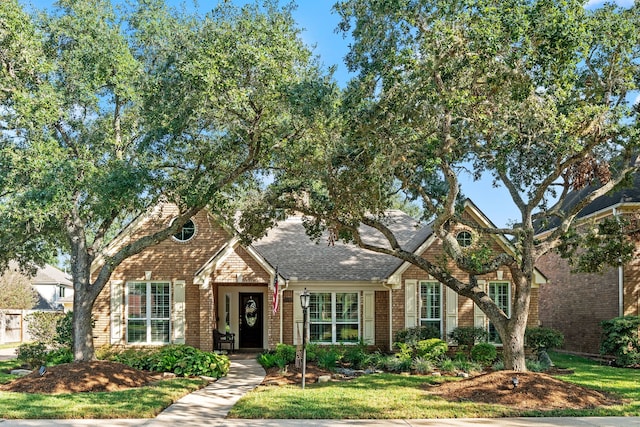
(389, 396)
(379, 396)
(143, 402)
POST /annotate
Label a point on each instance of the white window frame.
(147, 318)
(424, 304)
(507, 309)
(334, 322)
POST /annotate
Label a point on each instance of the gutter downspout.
(388, 286)
(620, 281)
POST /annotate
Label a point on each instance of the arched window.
(187, 231)
(464, 239)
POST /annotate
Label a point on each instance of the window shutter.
(368, 330)
(297, 318)
(116, 314)
(451, 311)
(179, 303)
(479, 318)
(410, 306)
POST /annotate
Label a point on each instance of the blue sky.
(319, 24)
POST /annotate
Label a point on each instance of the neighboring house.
(54, 287)
(576, 303)
(203, 279)
(54, 291)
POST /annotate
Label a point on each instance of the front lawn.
(143, 402)
(390, 396)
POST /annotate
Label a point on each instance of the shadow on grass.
(144, 402)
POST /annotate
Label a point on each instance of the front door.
(251, 329)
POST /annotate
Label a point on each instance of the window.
(464, 239)
(61, 291)
(148, 312)
(334, 317)
(500, 293)
(187, 231)
(431, 305)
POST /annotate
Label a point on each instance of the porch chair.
(227, 338)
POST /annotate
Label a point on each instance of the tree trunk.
(83, 349)
(513, 351)
(84, 296)
(513, 337)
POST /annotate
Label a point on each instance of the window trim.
(334, 322)
(508, 308)
(181, 240)
(467, 241)
(148, 317)
(425, 320)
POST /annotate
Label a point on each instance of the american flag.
(276, 300)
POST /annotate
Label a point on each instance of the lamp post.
(305, 299)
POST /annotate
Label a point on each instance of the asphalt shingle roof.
(630, 194)
(288, 247)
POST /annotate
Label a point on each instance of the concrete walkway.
(210, 405)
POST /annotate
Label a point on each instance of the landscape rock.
(20, 372)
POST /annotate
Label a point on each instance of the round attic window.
(186, 233)
(464, 239)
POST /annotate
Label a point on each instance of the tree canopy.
(534, 93)
(105, 112)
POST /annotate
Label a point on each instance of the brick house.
(203, 279)
(576, 303)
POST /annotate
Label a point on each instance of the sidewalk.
(210, 405)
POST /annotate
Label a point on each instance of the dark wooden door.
(251, 320)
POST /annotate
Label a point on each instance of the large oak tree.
(535, 94)
(105, 112)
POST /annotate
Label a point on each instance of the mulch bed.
(534, 391)
(82, 377)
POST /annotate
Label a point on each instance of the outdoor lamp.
(305, 299)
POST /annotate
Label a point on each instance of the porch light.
(305, 299)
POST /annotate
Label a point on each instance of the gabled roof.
(620, 196)
(50, 275)
(288, 247)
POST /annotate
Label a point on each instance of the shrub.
(267, 359)
(536, 365)
(313, 350)
(188, 361)
(468, 335)
(467, 366)
(140, 359)
(32, 354)
(64, 330)
(620, 339)
(398, 363)
(356, 356)
(286, 352)
(328, 359)
(484, 353)
(415, 334)
(448, 366)
(543, 338)
(431, 349)
(182, 360)
(59, 356)
(41, 325)
(422, 365)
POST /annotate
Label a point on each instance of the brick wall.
(466, 312)
(287, 317)
(172, 260)
(382, 320)
(575, 304)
